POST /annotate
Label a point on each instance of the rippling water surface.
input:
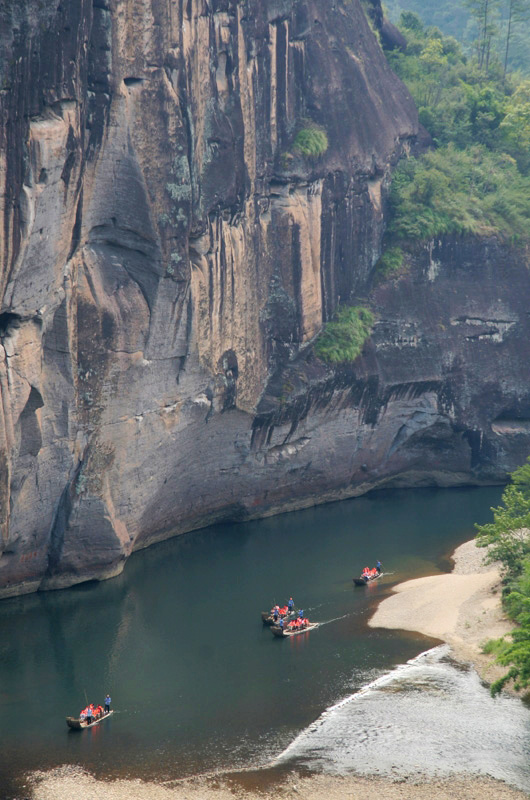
(199, 684)
(430, 716)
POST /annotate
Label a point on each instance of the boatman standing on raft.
(107, 704)
(379, 567)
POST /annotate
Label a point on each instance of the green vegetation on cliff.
(311, 141)
(508, 539)
(477, 178)
(460, 191)
(390, 262)
(343, 337)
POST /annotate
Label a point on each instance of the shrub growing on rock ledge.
(390, 262)
(343, 338)
(311, 141)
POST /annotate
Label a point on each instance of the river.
(197, 683)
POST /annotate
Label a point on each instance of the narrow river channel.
(197, 683)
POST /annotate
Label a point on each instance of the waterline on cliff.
(430, 716)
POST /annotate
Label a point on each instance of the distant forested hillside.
(464, 19)
(475, 179)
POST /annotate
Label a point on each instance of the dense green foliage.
(311, 142)
(343, 337)
(477, 180)
(505, 34)
(460, 191)
(506, 536)
(508, 540)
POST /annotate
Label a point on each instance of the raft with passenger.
(282, 612)
(88, 720)
(367, 576)
(293, 627)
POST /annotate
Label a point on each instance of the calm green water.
(196, 681)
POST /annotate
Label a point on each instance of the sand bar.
(462, 608)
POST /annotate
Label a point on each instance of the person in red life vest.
(306, 621)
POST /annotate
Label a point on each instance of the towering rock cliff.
(169, 255)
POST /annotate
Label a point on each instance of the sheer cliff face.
(167, 256)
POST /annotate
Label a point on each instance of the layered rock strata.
(168, 257)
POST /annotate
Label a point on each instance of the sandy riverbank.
(462, 608)
(68, 783)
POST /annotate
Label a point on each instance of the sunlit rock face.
(168, 257)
